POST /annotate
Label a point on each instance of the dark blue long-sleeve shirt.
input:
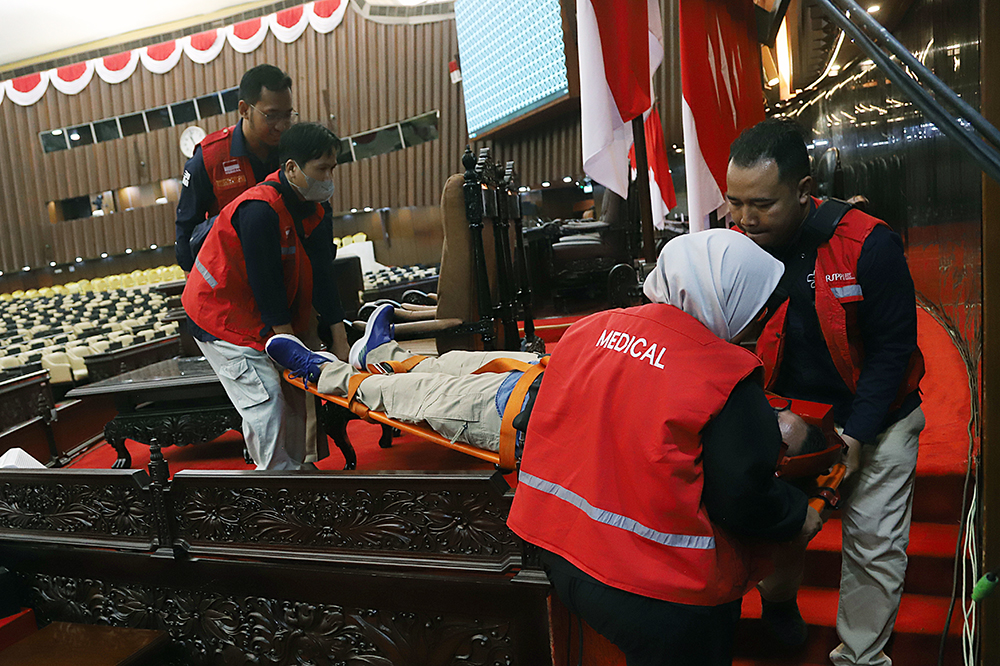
(887, 323)
(257, 227)
(197, 194)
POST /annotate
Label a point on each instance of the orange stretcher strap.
(353, 384)
(505, 365)
(407, 365)
(508, 434)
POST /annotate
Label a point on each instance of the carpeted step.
(931, 552)
(937, 498)
(914, 643)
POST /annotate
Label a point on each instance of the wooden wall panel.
(360, 76)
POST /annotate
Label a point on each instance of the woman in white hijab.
(720, 277)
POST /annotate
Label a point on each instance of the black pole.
(642, 189)
(474, 215)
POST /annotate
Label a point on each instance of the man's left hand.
(340, 348)
(852, 457)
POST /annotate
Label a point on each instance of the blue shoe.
(378, 331)
(289, 352)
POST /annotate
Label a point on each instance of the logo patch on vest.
(634, 346)
(229, 167)
(233, 181)
(845, 287)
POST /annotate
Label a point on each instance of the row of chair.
(359, 237)
(56, 332)
(65, 362)
(136, 278)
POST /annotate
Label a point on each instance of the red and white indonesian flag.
(621, 45)
(661, 185)
(720, 75)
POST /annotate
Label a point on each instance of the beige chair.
(60, 370)
(125, 339)
(457, 310)
(76, 356)
(170, 328)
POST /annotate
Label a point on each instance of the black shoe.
(785, 621)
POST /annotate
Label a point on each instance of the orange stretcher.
(505, 459)
(824, 465)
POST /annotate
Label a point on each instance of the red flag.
(661, 189)
(720, 76)
(621, 45)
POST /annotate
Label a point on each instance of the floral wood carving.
(207, 628)
(180, 428)
(114, 510)
(463, 522)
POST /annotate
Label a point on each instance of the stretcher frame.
(505, 459)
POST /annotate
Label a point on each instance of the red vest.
(837, 296)
(230, 176)
(611, 476)
(217, 295)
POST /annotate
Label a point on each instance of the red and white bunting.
(204, 47)
(116, 68)
(161, 58)
(71, 79)
(325, 15)
(26, 90)
(288, 24)
(247, 36)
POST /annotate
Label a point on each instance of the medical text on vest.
(634, 346)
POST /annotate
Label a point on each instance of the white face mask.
(316, 190)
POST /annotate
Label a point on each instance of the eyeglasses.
(275, 118)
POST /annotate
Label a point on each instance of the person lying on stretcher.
(463, 406)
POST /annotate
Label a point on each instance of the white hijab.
(719, 277)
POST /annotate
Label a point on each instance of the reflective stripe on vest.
(850, 291)
(614, 519)
(209, 278)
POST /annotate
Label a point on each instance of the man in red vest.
(846, 335)
(265, 264)
(228, 162)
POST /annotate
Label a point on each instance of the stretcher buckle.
(830, 496)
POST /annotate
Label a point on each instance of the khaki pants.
(441, 391)
(279, 420)
(876, 531)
